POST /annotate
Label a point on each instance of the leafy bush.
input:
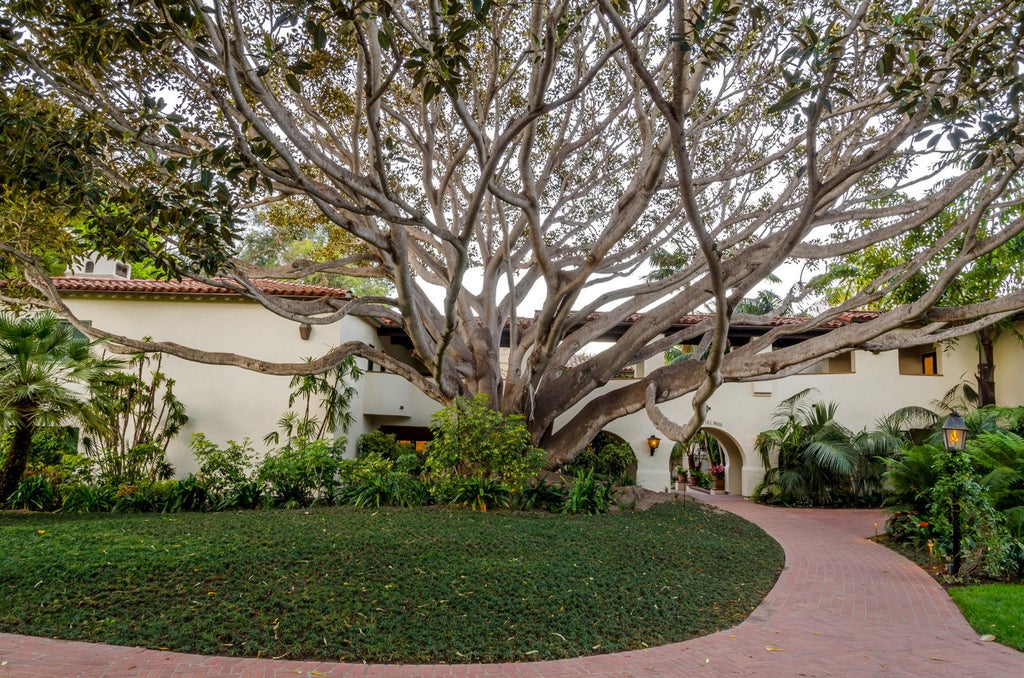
(607, 457)
(391, 488)
(137, 415)
(541, 495)
(302, 473)
(222, 469)
(188, 494)
(248, 494)
(481, 494)
(51, 443)
(588, 495)
(82, 498)
(382, 444)
(702, 479)
(34, 492)
(473, 440)
(356, 470)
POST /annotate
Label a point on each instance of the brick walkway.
(843, 606)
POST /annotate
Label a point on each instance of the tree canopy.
(553, 147)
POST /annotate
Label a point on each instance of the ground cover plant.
(994, 609)
(389, 585)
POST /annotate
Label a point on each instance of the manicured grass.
(994, 608)
(391, 585)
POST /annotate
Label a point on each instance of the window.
(121, 270)
(90, 266)
(839, 364)
(930, 363)
(921, 360)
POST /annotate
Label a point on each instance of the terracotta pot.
(719, 483)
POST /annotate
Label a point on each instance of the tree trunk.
(17, 457)
(986, 367)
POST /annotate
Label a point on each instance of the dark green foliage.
(473, 440)
(82, 498)
(48, 377)
(248, 494)
(607, 456)
(300, 474)
(189, 494)
(384, 445)
(139, 416)
(145, 498)
(324, 405)
(388, 585)
(34, 492)
(818, 461)
(222, 469)
(911, 477)
(588, 495)
(481, 494)
(390, 488)
(541, 495)
(49, 445)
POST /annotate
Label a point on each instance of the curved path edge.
(843, 606)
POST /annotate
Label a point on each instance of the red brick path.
(843, 606)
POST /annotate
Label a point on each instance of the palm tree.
(815, 455)
(47, 378)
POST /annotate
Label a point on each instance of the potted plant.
(717, 472)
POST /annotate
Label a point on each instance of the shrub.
(606, 457)
(481, 494)
(541, 495)
(588, 495)
(188, 494)
(82, 498)
(222, 469)
(51, 443)
(391, 488)
(247, 494)
(382, 444)
(34, 492)
(301, 473)
(473, 440)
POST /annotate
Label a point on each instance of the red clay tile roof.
(278, 288)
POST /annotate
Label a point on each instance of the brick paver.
(843, 606)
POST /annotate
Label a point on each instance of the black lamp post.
(954, 436)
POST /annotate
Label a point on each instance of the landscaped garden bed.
(390, 585)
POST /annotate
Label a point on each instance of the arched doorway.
(734, 459)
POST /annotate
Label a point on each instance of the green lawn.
(390, 585)
(994, 608)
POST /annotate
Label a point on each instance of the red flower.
(923, 523)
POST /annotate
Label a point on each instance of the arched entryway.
(734, 459)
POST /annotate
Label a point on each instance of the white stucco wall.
(228, 403)
(741, 411)
(223, 402)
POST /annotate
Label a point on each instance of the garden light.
(954, 435)
(954, 432)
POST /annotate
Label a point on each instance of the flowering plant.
(717, 471)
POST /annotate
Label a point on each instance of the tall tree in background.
(47, 377)
(988, 277)
(548, 149)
